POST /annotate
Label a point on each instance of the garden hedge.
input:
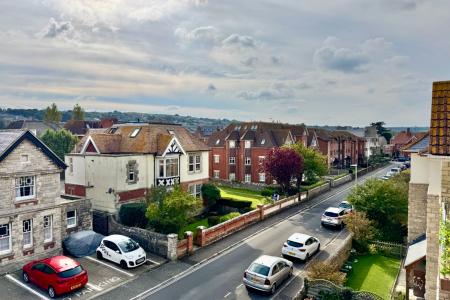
(133, 215)
(234, 203)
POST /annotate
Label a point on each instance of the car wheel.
(291, 270)
(51, 292)
(307, 257)
(273, 289)
(99, 255)
(25, 277)
(123, 265)
(318, 248)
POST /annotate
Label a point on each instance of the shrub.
(133, 215)
(327, 271)
(213, 220)
(210, 193)
(245, 210)
(269, 191)
(229, 216)
(234, 203)
(292, 190)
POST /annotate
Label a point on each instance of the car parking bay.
(103, 276)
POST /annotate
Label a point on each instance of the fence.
(388, 248)
(321, 289)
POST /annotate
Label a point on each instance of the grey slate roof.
(8, 137)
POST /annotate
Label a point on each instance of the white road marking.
(232, 247)
(153, 262)
(109, 266)
(23, 285)
(94, 287)
(239, 286)
(227, 295)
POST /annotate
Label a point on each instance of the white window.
(48, 228)
(232, 144)
(232, 160)
(168, 167)
(232, 176)
(248, 161)
(263, 141)
(248, 178)
(195, 190)
(238, 127)
(262, 177)
(25, 187)
(261, 159)
(5, 238)
(71, 165)
(71, 219)
(27, 230)
(195, 164)
(131, 174)
(135, 132)
(217, 142)
(247, 144)
(216, 174)
(216, 158)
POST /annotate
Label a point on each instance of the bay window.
(168, 167)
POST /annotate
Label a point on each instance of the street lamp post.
(356, 173)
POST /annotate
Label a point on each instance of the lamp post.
(356, 173)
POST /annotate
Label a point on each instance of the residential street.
(221, 276)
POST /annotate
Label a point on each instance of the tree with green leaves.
(171, 213)
(52, 114)
(61, 142)
(210, 193)
(78, 113)
(315, 164)
(385, 202)
(381, 130)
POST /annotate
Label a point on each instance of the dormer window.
(254, 127)
(238, 127)
(113, 130)
(232, 144)
(217, 142)
(135, 132)
(171, 132)
(263, 141)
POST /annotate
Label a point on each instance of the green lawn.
(374, 273)
(193, 227)
(243, 194)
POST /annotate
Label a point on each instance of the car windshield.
(394, 170)
(259, 269)
(345, 205)
(330, 214)
(128, 245)
(294, 244)
(71, 272)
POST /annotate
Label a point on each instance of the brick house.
(238, 151)
(34, 218)
(428, 201)
(403, 138)
(341, 148)
(120, 164)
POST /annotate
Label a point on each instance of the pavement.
(215, 271)
(212, 272)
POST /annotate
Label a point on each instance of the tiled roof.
(7, 137)
(151, 138)
(79, 127)
(418, 146)
(440, 119)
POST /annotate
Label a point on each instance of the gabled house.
(34, 217)
(120, 164)
(403, 138)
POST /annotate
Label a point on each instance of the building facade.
(120, 164)
(34, 218)
(428, 203)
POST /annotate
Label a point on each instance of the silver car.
(266, 273)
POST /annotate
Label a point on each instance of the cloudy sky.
(317, 62)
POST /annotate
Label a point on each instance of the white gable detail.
(86, 144)
(174, 147)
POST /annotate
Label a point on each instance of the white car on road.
(300, 246)
(393, 172)
(333, 216)
(266, 273)
(121, 250)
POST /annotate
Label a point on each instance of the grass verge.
(243, 194)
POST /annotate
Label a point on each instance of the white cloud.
(56, 29)
(277, 91)
(237, 40)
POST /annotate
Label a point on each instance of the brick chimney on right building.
(440, 119)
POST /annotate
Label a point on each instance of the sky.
(337, 62)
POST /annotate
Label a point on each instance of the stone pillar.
(172, 244)
(201, 239)
(261, 211)
(432, 266)
(417, 206)
(190, 242)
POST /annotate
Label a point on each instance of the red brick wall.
(256, 167)
(75, 189)
(221, 166)
(131, 195)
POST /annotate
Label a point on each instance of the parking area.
(103, 276)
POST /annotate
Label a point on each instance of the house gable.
(174, 147)
(90, 147)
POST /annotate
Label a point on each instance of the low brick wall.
(319, 190)
(186, 245)
(157, 243)
(342, 180)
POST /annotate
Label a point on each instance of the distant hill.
(191, 123)
(393, 129)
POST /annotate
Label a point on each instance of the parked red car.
(57, 275)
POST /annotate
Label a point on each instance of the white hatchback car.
(333, 216)
(301, 246)
(121, 250)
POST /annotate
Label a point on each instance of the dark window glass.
(71, 272)
(331, 214)
(294, 244)
(128, 245)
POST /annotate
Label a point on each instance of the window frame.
(195, 190)
(18, 187)
(261, 159)
(216, 174)
(8, 236)
(247, 144)
(248, 161)
(74, 217)
(163, 166)
(49, 227)
(248, 178)
(263, 176)
(195, 164)
(232, 160)
(234, 176)
(232, 144)
(28, 233)
(216, 158)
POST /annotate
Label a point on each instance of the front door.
(418, 283)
